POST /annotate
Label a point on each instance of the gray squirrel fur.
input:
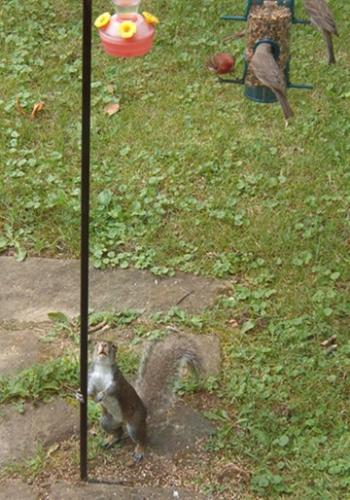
(124, 405)
(161, 364)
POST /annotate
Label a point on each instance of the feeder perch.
(127, 33)
(268, 22)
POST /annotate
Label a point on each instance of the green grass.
(190, 175)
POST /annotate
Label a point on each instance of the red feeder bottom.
(138, 45)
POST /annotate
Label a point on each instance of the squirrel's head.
(105, 352)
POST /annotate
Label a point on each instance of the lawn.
(189, 175)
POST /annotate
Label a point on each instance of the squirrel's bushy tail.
(161, 364)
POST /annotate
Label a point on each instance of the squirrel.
(124, 405)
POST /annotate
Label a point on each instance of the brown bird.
(322, 18)
(266, 69)
(221, 63)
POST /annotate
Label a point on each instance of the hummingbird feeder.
(268, 21)
(124, 34)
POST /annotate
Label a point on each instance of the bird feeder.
(126, 33)
(268, 21)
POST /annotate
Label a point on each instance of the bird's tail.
(161, 366)
(287, 110)
(330, 47)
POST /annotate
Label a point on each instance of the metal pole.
(84, 249)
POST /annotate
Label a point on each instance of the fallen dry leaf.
(19, 106)
(38, 106)
(53, 448)
(331, 349)
(233, 322)
(112, 108)
(231, 470)
(330, 341)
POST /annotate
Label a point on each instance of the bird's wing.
(321, 15)
(267, 70)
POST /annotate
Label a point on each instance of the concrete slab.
(31, 289)
(91, 491)
(179, 431)
(16, 489)
(20, 348)
(20, 434)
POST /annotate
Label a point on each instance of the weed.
(114, 319)
(41, 381)
(30, 468)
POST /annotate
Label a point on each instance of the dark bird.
(322, 18)
(267, 71)
(221, 63)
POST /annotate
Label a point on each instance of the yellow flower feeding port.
(103, 20)
(150, 18)
(127, 29)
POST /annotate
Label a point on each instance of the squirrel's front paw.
(78, 395)
(99, 397)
